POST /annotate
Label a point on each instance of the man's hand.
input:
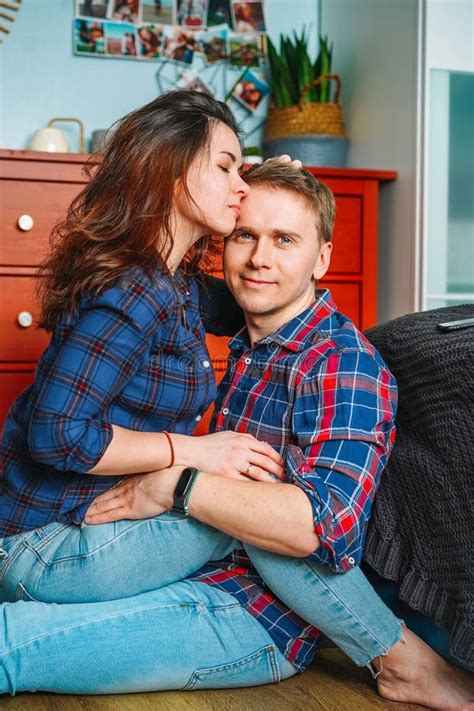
(136, 497)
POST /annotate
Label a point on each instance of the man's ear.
(323, 261)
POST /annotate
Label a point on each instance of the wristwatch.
(183, 490)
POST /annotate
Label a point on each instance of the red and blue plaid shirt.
(320, 394)
(135, 356)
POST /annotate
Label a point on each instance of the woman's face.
(215, 186)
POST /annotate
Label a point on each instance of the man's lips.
(256, 283)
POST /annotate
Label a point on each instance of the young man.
(302, 378)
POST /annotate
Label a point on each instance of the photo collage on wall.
(179, 32)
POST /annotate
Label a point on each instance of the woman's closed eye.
(224, 168)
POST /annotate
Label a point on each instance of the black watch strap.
(183, 490)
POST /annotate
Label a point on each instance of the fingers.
(117, 514)
(257, 474)
(285, 158)
(267, 450)
(267, 464)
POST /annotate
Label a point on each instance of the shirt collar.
(294, 334)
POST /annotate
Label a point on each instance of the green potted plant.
(302, 119)
(253, 154)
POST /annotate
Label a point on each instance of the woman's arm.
(220, 313)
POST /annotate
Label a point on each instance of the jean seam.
(66, 628)
(197, 676)
(374, 638)
(36, 549)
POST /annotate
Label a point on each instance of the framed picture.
(92, 8)
(192, 13)
(213, 44)
(120, 39)
(89, 37)
(246, 50)
(219, 13)
(161, 12)
(124, 11)
(149, 39)
(193, 82)
(251, 91)
(249, 16)
(179, 45)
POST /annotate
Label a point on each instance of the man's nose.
(261, 255)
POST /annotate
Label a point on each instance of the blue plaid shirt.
(133, 356)
(320, 394)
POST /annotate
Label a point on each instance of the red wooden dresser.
(35, 190)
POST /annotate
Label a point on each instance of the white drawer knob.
(25, 223)
(25, 319)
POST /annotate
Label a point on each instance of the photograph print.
(213, 44)
(179, 45)
(249, 16)
(149, 41)
(120, 39)
(192, 14)
(251, 91)
(89, 37)
(219, 13)
(160, 12)
(246, 50)
(124, 11)
(92, 8)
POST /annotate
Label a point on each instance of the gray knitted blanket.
(422, 530)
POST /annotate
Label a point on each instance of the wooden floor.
(332, 683)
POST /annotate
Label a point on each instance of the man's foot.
(413, 673)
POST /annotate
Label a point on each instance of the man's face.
(274, 257)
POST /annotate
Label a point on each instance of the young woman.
(127, 362)
(127, 359)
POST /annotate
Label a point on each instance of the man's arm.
(277, 517)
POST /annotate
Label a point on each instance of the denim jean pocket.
(261, 667)
(23, 594)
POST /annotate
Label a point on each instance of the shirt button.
(206, 363)
(351, 560)
(247, 361)
(197, 418)
(225, 411)
(3, 554)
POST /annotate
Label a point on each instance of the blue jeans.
(113, 562)
(184, 636)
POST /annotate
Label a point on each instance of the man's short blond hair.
(301, 182)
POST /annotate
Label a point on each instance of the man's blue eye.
(245, 235)
(285, 239)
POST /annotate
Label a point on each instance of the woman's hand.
(136, 497)
(230, 454)
(285, 158)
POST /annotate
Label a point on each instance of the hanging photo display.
(172, 30)
(196, 39)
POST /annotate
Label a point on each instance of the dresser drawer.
(45, 203)
(346, 256)
(20, 343)
(11, 385)
(347, 297)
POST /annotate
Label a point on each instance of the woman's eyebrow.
(232, 156)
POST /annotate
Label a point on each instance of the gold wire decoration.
(12, 6)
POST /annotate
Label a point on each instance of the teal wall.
(41, 78)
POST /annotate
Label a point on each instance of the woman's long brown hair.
(122, 217)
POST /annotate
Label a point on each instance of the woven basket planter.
(303, 118)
